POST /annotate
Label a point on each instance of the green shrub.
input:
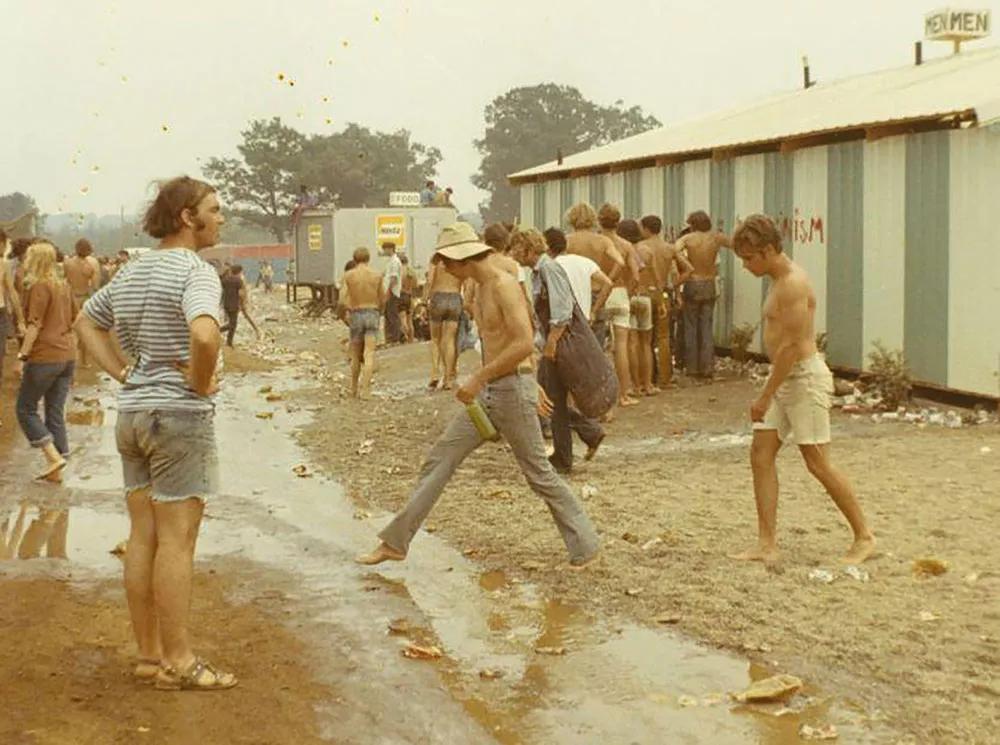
(889, 376)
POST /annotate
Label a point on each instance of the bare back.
(651, 273)
(439, 280)
(630, 274)
(364, 288)
(79, 274)
(703, 251)
(789, 315)
(501, 314)
(598, 248)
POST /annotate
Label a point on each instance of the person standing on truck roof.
(427, 194)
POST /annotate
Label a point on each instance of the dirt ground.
(921, 655)
(66, 673)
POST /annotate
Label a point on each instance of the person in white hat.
(506, 388)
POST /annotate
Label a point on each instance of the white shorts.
(800, 411)
(618, 308)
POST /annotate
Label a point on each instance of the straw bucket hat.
(459, 242)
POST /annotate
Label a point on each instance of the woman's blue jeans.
(48, 381)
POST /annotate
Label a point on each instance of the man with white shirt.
(392, 284)
(583, 274)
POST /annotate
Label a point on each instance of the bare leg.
(449, 347)
(621, 335)
(645, 345)
(356, 352)
(139, 575)
(634, 368)
(817, 459)
(368, 368)
(435, 352)
(177, 526)
(763, 453)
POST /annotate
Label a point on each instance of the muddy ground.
(907, 660)
(676, 468)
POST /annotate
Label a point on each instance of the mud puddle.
(516, 666)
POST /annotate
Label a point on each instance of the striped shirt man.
(150, 303)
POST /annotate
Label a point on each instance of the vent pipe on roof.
(806, 82)
(918, 53)
(559, 156)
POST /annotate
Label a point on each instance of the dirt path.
(671, 495)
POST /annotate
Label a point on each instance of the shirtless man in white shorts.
(795, 401)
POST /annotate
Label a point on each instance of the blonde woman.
(46, 359)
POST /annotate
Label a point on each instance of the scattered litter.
(399, 626)
(490, 674)
(822, 575)
(588, 491)
(634, 592)
(926, 615)
(630, 537)
(651, 543)
(264, 388)
(551, 651)
(366, 447)
(971, 578)
(856, 572)
(929, 567)
(362, 515)
(470, 552)
(775, 688)
(265, 415)
(416, 652)
(302, 471)
(687, 701)
(274, 397)
(807, 732)
(532, 566)
(985, 449)
(667, 618)
(143, 730)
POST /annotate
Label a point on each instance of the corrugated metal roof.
(963, 82)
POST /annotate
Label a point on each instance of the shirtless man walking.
(665, 260)
(363, 297)
(584, 241)
(702, 245)
(83, 275)
(619, 304)
(509, 397)
(796, 398)
(444, 311)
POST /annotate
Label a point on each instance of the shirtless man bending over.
(796, 398)
(702, 245)
(363, 298)
(444, 310)
(509, 396)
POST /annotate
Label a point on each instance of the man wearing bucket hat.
(506, 389)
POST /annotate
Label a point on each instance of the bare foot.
(380, 554)
(767, 554)
(861, 550)
(651, 391)
(628, 401)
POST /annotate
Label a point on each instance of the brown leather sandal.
(194, 678)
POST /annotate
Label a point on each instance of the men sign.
(948, 24)
(391, 229)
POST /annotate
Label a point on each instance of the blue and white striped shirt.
(151, 303)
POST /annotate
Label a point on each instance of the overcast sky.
(102, 97)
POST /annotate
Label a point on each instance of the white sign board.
(950, 24)
(404, 198)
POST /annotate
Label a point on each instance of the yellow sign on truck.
(315, 237)
(390, 229)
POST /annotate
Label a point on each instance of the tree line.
(358, 166)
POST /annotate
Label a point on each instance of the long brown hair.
(163, 217)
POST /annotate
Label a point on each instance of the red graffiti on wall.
(794, 228)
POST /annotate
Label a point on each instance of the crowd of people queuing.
(570, 327)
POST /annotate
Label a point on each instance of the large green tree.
(15, 204)
(260, 187)
(531, 125)
(358, 166)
